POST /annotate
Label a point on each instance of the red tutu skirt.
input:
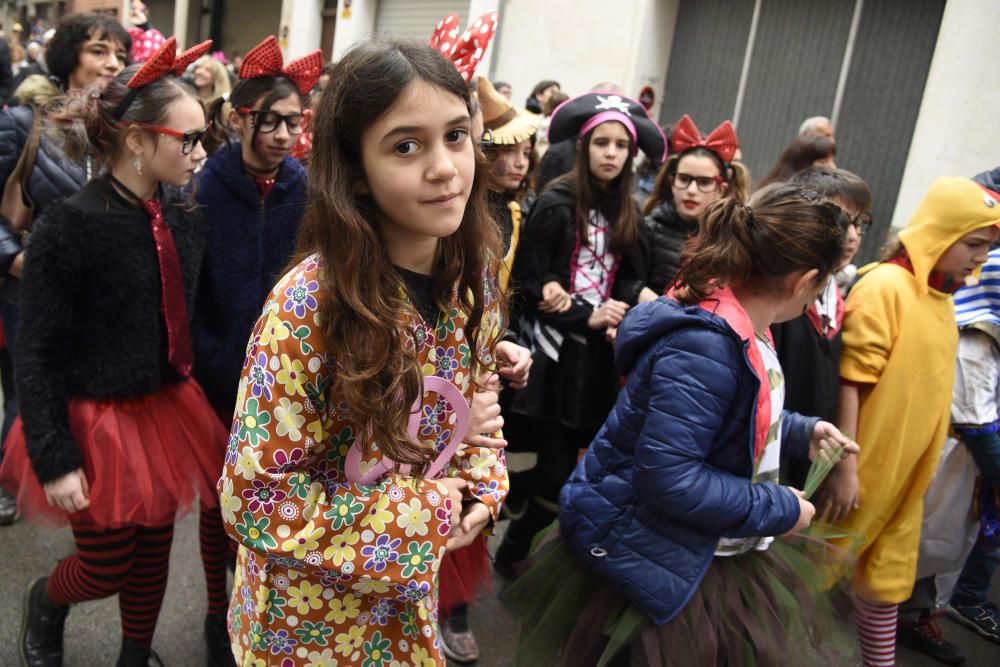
(464, 574)
(146, 459)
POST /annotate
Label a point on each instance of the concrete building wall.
(246, 22)
(583, 42)
(94, 5)
(571, 41)
(305, 26)
(957, 133)
(353, 26)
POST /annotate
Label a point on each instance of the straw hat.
(507, 124)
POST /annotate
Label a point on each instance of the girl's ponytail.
(721, 253)
(218, 133)
(78, 124)
(783, 229)
(739, 181)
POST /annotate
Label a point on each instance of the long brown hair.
(360, 301)
(783, 229)
(615, 203)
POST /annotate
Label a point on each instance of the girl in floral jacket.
(347, 478)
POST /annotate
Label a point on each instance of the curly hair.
(63, 52)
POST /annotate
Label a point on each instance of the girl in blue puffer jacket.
(666, 552)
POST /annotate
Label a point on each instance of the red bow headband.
(166, 61)
(162, 63)
(467, 51)
(265, 59)
(722, 140)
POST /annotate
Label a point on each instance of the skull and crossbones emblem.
(612, 102)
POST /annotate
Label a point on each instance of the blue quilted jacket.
(54, 175)
(669, 472)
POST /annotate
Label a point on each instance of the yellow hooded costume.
(899, 346)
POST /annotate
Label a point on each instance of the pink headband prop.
(617, 116)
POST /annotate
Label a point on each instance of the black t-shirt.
(421, 290)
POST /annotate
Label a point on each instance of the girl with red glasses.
(701, 171)
(253, 195)
(115, 438)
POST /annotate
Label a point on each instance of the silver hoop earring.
(138, 165)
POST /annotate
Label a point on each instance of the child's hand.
(70, 493)
(554, 298)
(806, 512)
(475, 516)
(608, 314)
(454, 487)
(647, 295)
(826, 439)
(515, 363)
(484, 414)
(838, 496)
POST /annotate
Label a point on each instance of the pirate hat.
(579, 115)
(507, 124)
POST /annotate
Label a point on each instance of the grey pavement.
(92, 633)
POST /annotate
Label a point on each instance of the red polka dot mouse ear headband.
(265, 59)
(722, 140)
(162, 63)
(467, 51)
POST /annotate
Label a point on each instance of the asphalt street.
(27, 551)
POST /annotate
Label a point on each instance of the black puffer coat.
(668, 231)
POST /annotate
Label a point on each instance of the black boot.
(220, 652)
(42, 627)
(137, 654)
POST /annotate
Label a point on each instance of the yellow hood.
(952, 208)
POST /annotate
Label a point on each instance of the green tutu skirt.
(771, 607)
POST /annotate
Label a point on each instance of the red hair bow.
(722, 140)
(166, 61)
(466, 51)
(265, 59)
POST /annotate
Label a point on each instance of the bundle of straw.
(830, 452)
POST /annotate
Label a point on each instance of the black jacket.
(91, 325)
(578, 390)
(54, 176)
(558, 160)
(811, 365)
(6, 73)
(548, 239)
(668, 232)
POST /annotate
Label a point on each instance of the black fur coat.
(90, 313)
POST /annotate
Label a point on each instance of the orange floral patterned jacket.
(332, 572)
